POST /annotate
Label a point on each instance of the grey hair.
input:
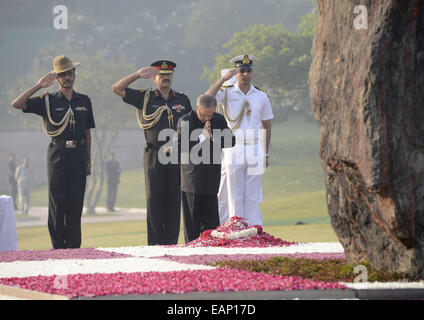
(206, 100)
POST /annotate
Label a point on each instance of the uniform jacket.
(203, 177)
(59, 105)
(177, 101)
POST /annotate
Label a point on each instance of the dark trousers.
(163, 197)
(112, 189)
(67, 177)
(13, 191)
(200, 214)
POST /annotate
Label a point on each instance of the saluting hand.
(147, 72)
(230, 74)
(47, 80)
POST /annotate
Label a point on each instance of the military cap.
(244, 61)
(164, 66)
(63, 64)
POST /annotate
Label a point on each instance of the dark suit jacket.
(203, 177)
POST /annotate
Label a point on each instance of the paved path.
(38, 216)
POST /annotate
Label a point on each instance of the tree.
(282, 67)
(189, 32)
(96, 78)
(211, 23)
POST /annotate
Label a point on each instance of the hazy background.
(113, 38)
(192, 33)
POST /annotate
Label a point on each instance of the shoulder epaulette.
(178, 92)
(260, 89)
(223, 87)
(82, 95)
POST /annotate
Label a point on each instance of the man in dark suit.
(201, 133)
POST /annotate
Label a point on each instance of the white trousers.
(24, 198)
(240, 190)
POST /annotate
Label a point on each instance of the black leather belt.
(69, 144)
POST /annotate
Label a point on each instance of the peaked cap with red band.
(164, 66)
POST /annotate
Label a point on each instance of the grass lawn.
(293, 189)
(329, 270)
(108, 234)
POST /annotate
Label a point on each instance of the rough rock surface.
(367, 93)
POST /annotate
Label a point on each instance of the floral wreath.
(236, 228)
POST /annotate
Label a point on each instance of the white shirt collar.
(251, 89)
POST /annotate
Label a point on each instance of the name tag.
(59, 109)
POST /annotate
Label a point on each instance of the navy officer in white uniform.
(248, 112)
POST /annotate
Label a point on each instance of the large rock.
(367, 93)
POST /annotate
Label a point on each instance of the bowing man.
(201, 134)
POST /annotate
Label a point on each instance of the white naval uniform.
(240, 190)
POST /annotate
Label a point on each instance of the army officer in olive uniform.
(67, 118)
(157, 110)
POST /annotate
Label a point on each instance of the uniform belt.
(247, 142)
(69, 144)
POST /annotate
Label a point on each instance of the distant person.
(67, 119)
(11, 179)
(113, 172)
(158, 110)
(247, 110)
(25, 178)
(200, 177)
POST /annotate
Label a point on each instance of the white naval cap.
(244, 59)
